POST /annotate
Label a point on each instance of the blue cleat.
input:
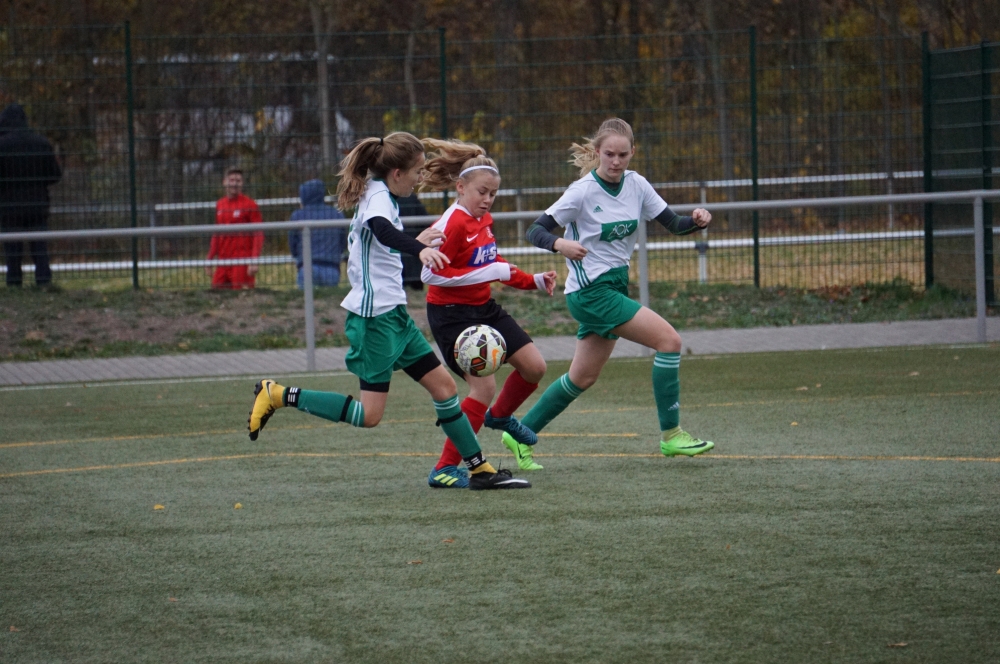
(512, 426)
(449, 477)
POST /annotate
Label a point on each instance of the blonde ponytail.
(375, 157)
(586, 156)
(447, 159)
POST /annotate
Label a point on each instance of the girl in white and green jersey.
(383, 337)
(600, 213)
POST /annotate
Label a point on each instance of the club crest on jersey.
(484, 255)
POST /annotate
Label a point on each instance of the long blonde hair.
(447, 159)
(587, 156)
(376, 157)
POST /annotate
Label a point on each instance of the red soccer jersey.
(472, 249)
(241, 210)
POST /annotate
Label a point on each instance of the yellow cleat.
(267, 398)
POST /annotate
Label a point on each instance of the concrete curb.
(695, 342)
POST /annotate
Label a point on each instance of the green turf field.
(848, 514)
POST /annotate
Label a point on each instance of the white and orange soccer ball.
(480, 350)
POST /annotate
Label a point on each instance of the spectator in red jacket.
(235, 208)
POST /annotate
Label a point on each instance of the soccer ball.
(480, 350)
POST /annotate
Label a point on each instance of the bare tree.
(416, 23)
(725, 140)
(323, 21)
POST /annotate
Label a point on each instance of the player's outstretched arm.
(540, 234)
(679, 225)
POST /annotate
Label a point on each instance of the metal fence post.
(643, 265)
(702, 245)
(152, 240)
(980, 248)
(754, 154)
(928, 152)
(987, 159)
(130, 103)
(443, 67)
(307, 287)
(643, 272)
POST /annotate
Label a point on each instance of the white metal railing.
(702, 185)
(152, 212)
(976, 197)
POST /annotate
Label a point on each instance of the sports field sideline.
(847, 514)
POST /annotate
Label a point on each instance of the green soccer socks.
(328, 405)
(667, 389)
(553, 401)
(456, 426)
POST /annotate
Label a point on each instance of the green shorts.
(603, 305)
(383, 344)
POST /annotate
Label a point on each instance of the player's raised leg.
(270, 396)
(651, 330)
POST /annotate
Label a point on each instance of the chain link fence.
(146, 127)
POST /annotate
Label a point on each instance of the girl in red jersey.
(459, 295)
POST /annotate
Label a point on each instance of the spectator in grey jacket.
(327, 243)
(28, 167)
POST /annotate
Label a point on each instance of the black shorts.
(447, 321)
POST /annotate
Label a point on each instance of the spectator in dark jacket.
(28, 167)
(327, 243)
(410, 206)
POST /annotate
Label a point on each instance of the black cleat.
(502, 479)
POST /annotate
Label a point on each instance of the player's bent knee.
(483, 394)
(585, 382)
(533, 373)
(439, 383)
(669, 343)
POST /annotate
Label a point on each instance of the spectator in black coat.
(410, 206)
(28, 167)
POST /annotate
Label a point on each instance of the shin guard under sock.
(515, 390)
(476, 412)
(328, 405)
(553, 401)
(667, 389)
(456, 426)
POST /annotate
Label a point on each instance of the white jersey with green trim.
(374, 270)
(604, 222)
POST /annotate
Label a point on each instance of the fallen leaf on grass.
(157, 507)
(895, 645)
(448, 541)
(414, 562)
